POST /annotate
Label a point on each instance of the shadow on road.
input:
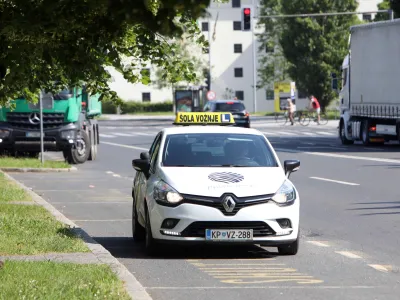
(394, 205)
(126, 247)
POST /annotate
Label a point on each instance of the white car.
(214, 184)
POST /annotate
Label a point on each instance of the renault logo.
(34, 118)
(228, 203)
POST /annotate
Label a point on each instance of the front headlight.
(68, 134)
(163, 192)
(285, 194)
(4, 133)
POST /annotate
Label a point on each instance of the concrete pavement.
(349, 222)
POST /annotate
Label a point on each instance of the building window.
(237, 48)
(204, 26)
(237, 25)
(239, 95)
(238, 72)
(236, 3)
(146, 97)
(270, 94)
(367, 17)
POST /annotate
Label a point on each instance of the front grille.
(21, 120)
(198, 229)
(217, 202)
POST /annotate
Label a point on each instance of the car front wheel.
(151, 246)
(290, 249)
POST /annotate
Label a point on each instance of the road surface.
(350, 227)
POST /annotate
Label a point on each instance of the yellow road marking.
(348, 254)
(382, 268)
(321, 244)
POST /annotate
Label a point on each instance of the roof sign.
(204, 118)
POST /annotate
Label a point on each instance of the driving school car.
(214, 184)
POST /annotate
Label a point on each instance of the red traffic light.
(246, 11)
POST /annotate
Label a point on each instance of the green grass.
(31, 229)
(11, 162)
(49, 280)
(9, 191)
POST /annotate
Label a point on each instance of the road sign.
(211, 95)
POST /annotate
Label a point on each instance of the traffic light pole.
(254, 63)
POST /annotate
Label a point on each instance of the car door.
(143, 179)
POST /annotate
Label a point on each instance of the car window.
(229, 106)
(153, 158)
(217, 149)
(154, 144)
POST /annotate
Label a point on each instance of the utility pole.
(41, 127)
(389, 11)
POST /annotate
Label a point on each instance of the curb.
(132, 286)
(38, 170)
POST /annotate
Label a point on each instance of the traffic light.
(206, 74)
(246, 18)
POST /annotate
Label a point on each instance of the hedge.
(137, 107)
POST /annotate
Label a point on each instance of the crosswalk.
(270, 133)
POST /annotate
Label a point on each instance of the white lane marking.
(348, 254)
(381, 268)
(335, 181)
(269, 133)
(342, 156)
(320, 147)
(286, 133)
(106, 135)
(125, 146)
(325, 133)
(147, 134)
(309, 133)
(123, 134)
(116, 175)
(306, 143)
(316, 243)
(109, 172)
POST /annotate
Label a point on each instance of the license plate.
(33, 134)
(229, 235)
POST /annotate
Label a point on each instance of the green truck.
(69, 125)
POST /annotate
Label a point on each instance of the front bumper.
(29, 140)
(242, 122)
(194, 219)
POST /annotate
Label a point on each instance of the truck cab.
(69, 125)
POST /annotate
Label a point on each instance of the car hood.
(213, 182)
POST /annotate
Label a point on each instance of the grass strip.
(9, 191)
(50, 280)
(11, 162)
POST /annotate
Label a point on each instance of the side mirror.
(291, 166)
(141, 165)
(145, 155)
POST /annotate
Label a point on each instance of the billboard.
(184, 101)
(282, 91)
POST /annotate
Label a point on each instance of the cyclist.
(315, 105)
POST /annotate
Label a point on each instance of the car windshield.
(64, 94)
(217, 150)
(229, 106)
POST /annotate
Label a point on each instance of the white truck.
(370, 95)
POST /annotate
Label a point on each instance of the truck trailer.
(69, 125)
(370, 97)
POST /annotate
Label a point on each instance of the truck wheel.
(93, 144)
(82, 151)
(342, 135)
(364, 133)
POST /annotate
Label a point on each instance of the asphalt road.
(350, 225)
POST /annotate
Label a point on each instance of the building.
(230, 57)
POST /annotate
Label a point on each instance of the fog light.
(169, 223)
(167, 232)
(284, 223)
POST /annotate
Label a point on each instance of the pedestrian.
(314, 104)
(291, 109)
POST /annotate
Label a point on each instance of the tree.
(186, 51)
(273, 65)
(315, 47)
(47, 44)
(388, 4)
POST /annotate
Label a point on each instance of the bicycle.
(285, 117)
(308, 116)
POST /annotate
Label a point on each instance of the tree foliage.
(186, 51)
(48, 44)
(388, 4)
(314, 46)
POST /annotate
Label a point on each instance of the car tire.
(290, 249)
(138, 231)
(151, 247)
